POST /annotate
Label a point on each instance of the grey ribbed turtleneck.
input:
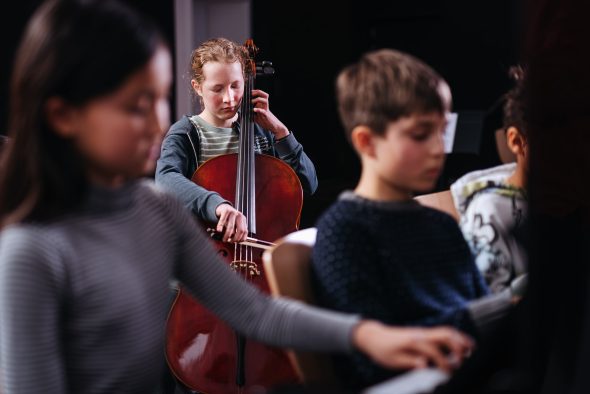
(83, 299)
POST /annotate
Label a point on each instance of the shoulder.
(438, 216)
(473, 183)
(343, 212)
(343, 239)
(494, 198)
(345, 222)
(148, 192)
(23, 238)
(33, 248)
(159, 208)
(160, 199)
(494, 174)
(340, 213)
(502, 208)
(182, 126)
(432, 224)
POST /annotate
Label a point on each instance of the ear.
(197, 87)
(61, 117)
(515, 140)
(363, 140)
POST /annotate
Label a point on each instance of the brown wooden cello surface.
(200, 348)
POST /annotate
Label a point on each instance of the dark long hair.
(77, 50)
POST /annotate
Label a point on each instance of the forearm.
(291, 152)
(174, 170)
(275, 321)
(200, 201)
(291, 324)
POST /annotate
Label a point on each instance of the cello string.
(235, 254)
(253, 172)
(250, 173)
(244, 159)
(240, 174)
(243, 163)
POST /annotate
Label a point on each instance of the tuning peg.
(264, 68)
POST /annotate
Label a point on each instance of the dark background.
(471, 44)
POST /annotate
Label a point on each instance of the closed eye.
(420, 136)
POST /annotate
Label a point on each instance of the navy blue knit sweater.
(398, 262)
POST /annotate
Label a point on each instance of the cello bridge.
(244, 266)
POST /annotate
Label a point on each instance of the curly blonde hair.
(215, 50)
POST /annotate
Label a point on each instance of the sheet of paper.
(449, 136)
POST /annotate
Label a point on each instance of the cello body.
(201, 350)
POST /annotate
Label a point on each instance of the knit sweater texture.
(398, 262)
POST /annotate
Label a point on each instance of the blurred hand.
(232, 223)
(266, 119)
(407, 348)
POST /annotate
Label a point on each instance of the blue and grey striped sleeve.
(31, 286)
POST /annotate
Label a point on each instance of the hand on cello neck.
(264, 117)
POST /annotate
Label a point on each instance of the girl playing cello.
(217, 68)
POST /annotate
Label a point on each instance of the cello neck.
(245, 180)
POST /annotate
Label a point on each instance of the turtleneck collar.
(105, 199)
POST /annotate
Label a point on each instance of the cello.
(203, 353)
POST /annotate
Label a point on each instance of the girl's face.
(120, 134)
(221, 90)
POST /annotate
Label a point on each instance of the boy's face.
(409, 157)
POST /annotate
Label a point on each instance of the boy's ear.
(196, 87)
(515, 140)
(61, 116)
(362, 139)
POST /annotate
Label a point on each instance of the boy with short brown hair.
(379, 253)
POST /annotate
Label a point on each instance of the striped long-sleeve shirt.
(182, 151)
(83, 298)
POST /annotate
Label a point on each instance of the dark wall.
(472, 45)
(13, 17)
(15, 14)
